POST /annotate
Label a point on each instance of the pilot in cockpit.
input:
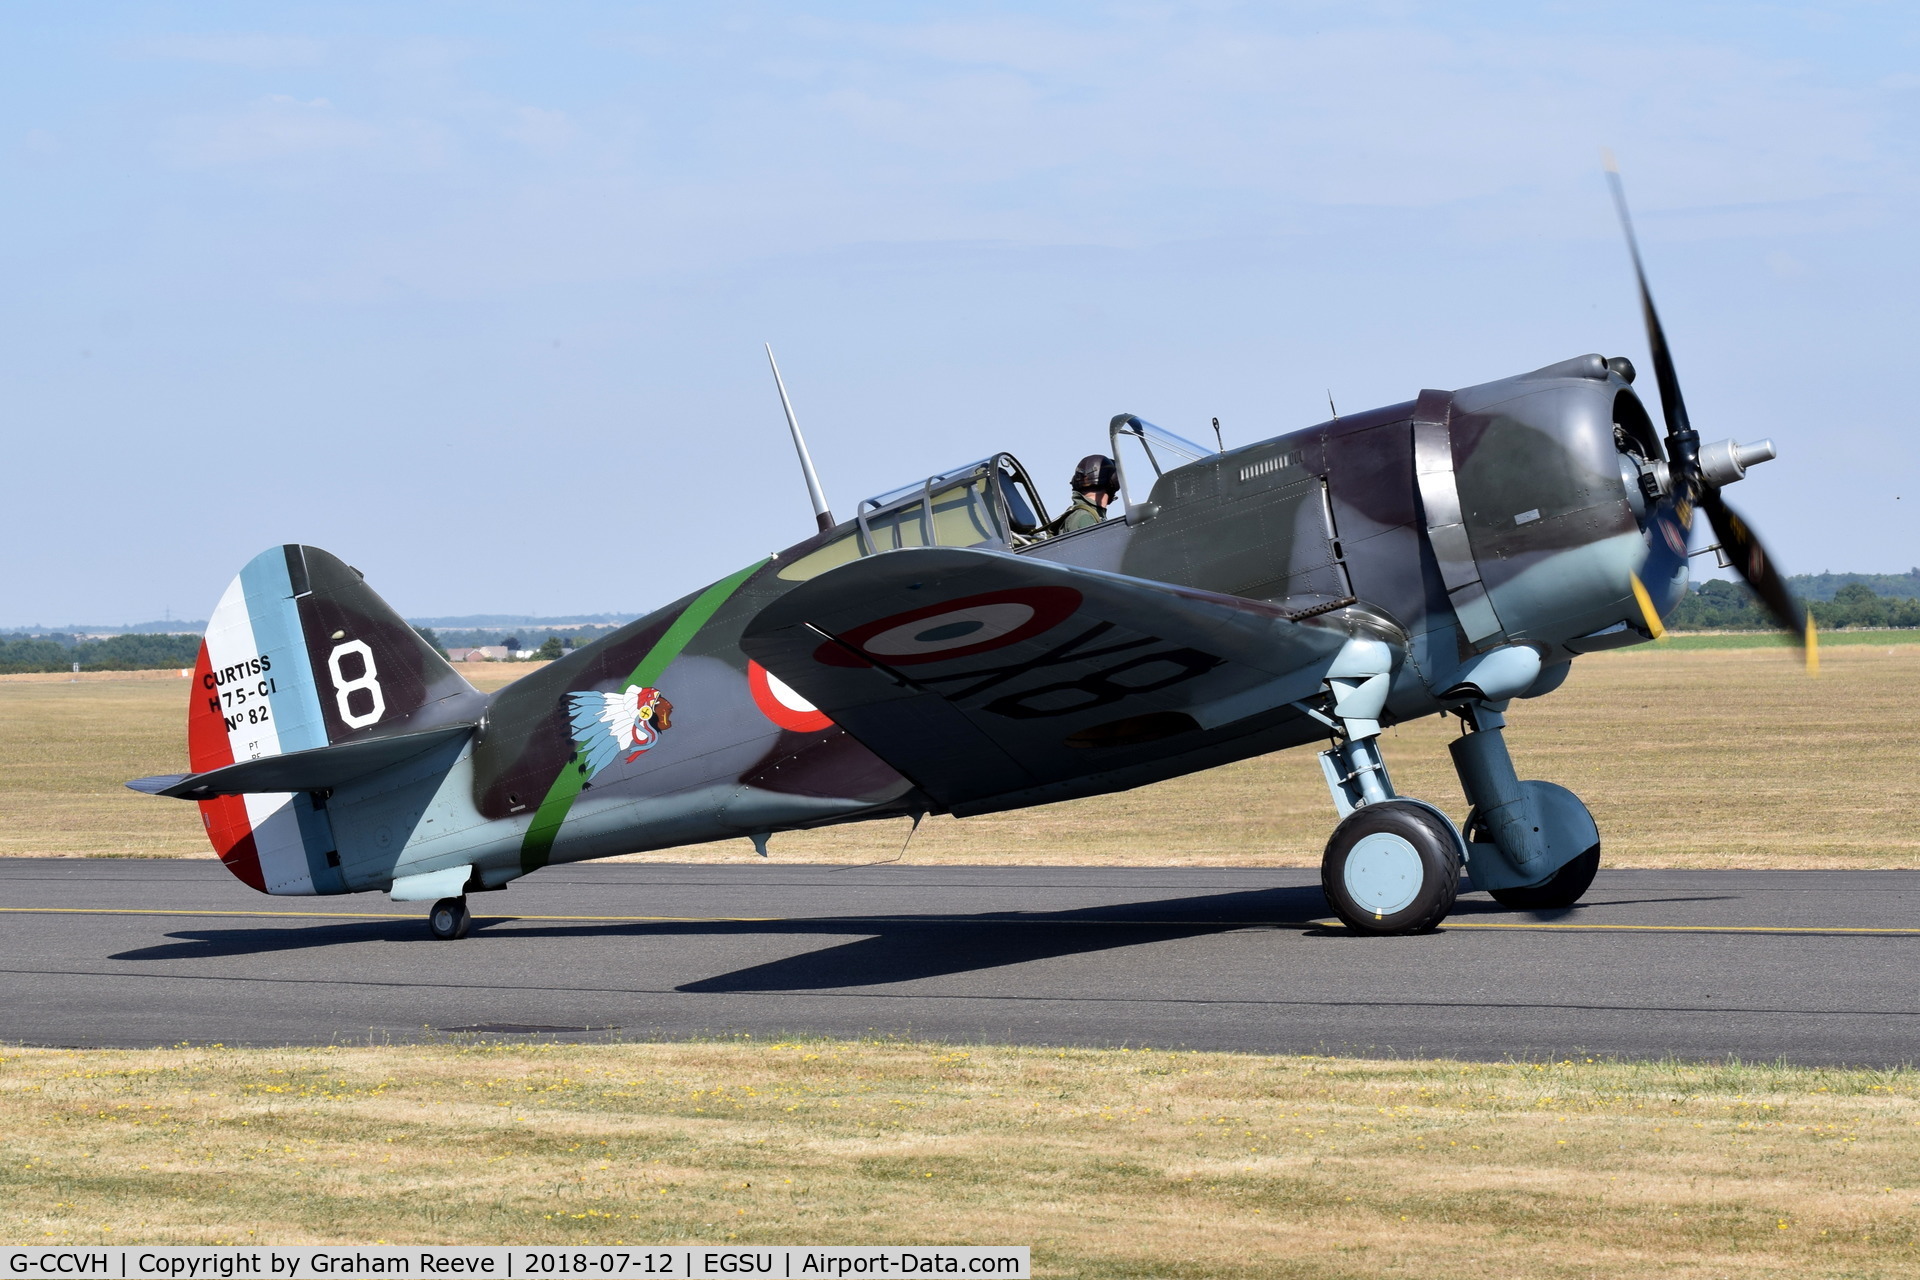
(1095, 481)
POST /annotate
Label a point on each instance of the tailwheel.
(449, 919)
(1392, 866)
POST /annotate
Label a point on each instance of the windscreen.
(1143, 453)
(1163, 448)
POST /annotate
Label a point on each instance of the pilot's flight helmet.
(1096, 472)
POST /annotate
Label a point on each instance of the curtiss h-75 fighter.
(952, 649)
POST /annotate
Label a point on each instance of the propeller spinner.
(1695, 476)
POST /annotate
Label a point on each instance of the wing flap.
(979, 673)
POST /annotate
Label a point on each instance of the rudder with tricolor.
(301, 654)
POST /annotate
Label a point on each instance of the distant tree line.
(134, 652)
(477, 638)
(1838, 600)
(141, 651)
(1827, 586)
(553, 647)
(1731, 606)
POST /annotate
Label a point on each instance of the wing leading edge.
(987, 678)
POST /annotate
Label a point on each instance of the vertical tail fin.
(300, 653)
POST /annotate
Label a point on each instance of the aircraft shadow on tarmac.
(908, 948)
(215, 944)
(892, 948)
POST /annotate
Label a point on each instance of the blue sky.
(473, 294)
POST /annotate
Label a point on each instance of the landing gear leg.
(1393, 863)
(1532, 845)
(449, 919)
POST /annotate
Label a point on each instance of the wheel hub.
(1383, 873)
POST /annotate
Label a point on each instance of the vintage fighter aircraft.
(945, 652)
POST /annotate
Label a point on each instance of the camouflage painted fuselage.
(1345, 526)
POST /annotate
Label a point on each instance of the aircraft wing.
(979, 674)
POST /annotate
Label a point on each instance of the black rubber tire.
(449, 919)
(1429, 836)
(1558, 891)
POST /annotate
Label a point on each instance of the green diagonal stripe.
(553, 810)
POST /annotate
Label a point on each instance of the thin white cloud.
(810, 135)
(540, 129)
(233, 50)
(1399, 116)
(280, 128)
(1145, 126)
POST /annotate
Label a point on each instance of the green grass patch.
(1682, 640)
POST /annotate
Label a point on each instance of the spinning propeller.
(1695, 478)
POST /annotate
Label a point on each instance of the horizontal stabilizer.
(318, 769)
(159, 784)
(979, 674)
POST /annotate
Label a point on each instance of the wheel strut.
(1393, 863)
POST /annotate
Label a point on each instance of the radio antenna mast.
(821, 514)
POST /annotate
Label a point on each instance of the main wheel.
(1392, 867)
(1558, 891)
(449, 919)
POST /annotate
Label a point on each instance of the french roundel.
(956, 628)
(779, 703)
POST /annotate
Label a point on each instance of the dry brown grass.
(68, 745)
(1703, 758)
(1110, 1163)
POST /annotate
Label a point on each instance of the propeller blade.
(1755, 566)
(1672, 406)
(1648, 614)
(1670, 523)
(1669, 533)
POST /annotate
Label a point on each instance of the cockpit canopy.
(991, 502)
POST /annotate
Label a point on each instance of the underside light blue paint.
(448, 882)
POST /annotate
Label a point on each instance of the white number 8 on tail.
(368, 680)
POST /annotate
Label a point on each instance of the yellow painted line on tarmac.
(1564, 926)
(510, 916)
(1660, 928)
(162, 911)
(345, 915)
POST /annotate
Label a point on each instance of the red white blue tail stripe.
(254, 696)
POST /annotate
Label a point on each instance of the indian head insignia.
(606, 725)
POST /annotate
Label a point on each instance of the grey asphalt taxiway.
(1813, 967)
